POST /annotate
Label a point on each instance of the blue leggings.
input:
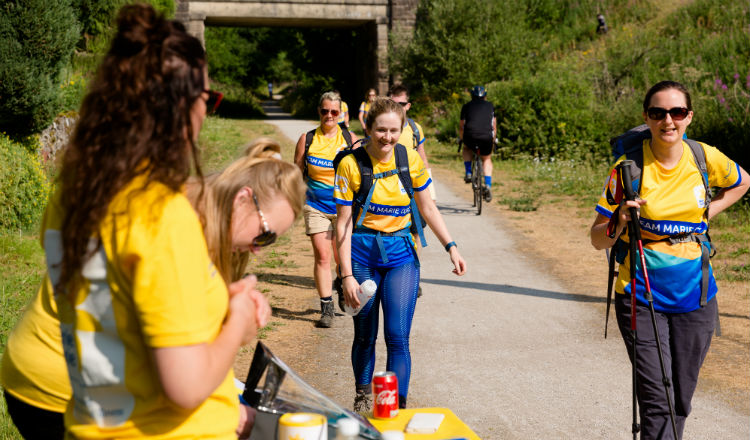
(397, 290)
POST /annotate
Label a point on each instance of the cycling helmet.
(478, 92)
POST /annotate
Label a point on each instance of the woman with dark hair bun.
(149, 329)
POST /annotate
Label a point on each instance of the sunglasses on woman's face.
(325, 111)
(267, 237)
(213, 101)
(658, 113)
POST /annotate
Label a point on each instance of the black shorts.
(484, 145)
(33, 422)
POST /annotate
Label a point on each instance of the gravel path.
(505, 347)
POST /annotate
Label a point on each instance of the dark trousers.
(685, 338)
(33, 422)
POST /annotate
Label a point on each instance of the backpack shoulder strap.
(414, 130)
(700, 160)
(347, 137)
(636, 155)
(365, 171)
(308, 141)
(402, 166)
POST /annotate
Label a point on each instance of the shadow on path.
(515, 290)
(286, 280)
(274, 112)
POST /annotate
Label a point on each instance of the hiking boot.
(487, 195)
(326, 314)
(467, 178)
(338, 286)
(363, 404)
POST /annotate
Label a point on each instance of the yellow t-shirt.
(150, 284)
(389, 209)
(320, 172)
(676, 202)
(407, 136)
(33, 366)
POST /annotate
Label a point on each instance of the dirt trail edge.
(505, 347)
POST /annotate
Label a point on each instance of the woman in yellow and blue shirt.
(672, 204)
(364, 108)
(382, 249)
(320, 209)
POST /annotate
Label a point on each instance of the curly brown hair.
(135, 120)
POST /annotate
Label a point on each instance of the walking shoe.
(338, 286)
(467, 178)
(326, 314)
(363, 404)
(487, 195)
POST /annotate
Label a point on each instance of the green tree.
(37, 39)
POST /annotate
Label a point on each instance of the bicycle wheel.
(479, 188)
(474, 181)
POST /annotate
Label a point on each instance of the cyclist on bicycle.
(477, 130)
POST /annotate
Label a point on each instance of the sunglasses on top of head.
(658, 113)
(325, 111)
(267, 237)
(213, 101)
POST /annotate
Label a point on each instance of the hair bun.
(138, 25)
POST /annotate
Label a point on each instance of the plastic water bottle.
(347, 429)
(366, 291)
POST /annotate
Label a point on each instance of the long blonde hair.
(268, 177)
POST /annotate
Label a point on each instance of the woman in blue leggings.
(375, 243)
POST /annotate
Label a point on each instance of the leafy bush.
(37, 38)
(23, 186)
(302, 100)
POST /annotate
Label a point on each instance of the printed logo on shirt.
(700, 195)
(401, 187)
(342, 184)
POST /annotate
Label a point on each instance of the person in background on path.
(395, 267)
(344, 115)
(316, 162)
(672, 196)
(142, 310)
(478, 129)
(270, 90)
(412, 136)
(601, 27)
(34, 375)
(364, 108)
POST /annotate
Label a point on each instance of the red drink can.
(385, 388)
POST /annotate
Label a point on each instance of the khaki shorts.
(317, 221)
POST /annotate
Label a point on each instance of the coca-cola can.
(385, 388)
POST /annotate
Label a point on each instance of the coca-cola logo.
(386, 397)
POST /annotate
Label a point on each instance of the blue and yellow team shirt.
(320, 172)
(364, 107)
(389, 209)
(150, 284)
(344, 110)
(407, 136)
(675, 205)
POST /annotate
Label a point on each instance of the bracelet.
(346, 276)
(450, 245)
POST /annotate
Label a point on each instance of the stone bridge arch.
(379, 19)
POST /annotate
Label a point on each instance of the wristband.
(346, 276)
(450, 245)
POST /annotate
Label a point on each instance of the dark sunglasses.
(213, 101)
(402, 104)
(658, 113)
(325, 111)
(267, 237)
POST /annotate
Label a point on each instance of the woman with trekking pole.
(375, 243)
(666, 210)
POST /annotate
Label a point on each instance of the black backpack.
(308, 141)
(414, 130)
(362, 197)
(630, 144)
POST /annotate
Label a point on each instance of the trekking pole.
(636, 245)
